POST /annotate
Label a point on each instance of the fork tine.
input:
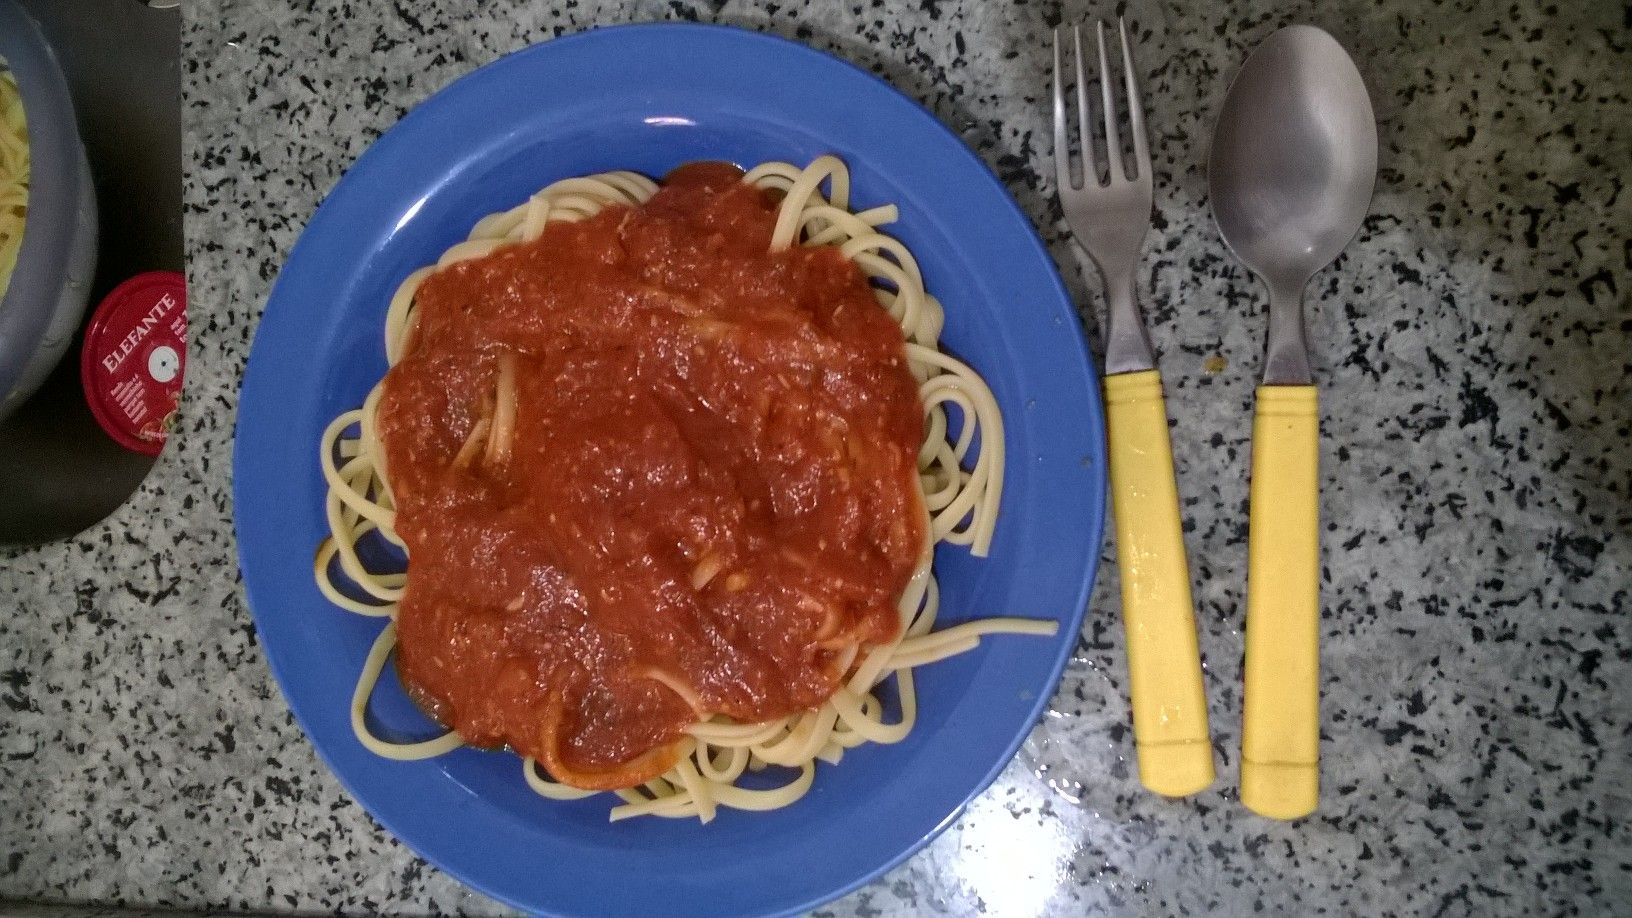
(1136, 111)
(1062, 145)
(1085, 129)
(1113, 142)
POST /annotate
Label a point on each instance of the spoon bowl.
(1294, 158)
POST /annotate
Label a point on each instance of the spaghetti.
(955, 489)
(14, 168)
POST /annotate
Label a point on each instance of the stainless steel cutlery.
(1293, 161)
(1110, 219)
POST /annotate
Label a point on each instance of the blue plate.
(650, 98)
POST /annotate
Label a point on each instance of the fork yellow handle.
(1164, 662)
(1280, 740)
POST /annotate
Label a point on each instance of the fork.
(1109, 220)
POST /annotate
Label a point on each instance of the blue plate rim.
(1071, 623)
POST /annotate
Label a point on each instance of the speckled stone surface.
(1473, 346)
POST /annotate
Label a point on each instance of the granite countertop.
(1473, 349)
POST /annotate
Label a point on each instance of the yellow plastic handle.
(1280, 739)
(1164, 663)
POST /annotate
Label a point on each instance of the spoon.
(1293, 162)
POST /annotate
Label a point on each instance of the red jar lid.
(134, 357)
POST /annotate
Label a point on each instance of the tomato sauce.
(709, 498)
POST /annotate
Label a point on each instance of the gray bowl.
(45, 300)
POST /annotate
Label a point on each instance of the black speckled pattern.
(1473, 347)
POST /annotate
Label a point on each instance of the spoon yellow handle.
(1164, 664)
(1280, 742)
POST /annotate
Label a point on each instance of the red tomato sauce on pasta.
(706, 499)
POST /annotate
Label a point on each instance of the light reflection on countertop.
(1018, 861)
